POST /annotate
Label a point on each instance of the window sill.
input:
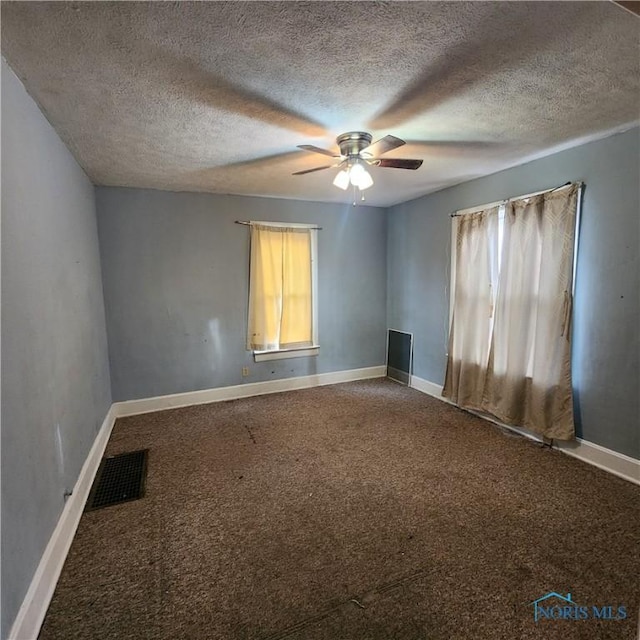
(303, 352)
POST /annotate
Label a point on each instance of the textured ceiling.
(215, 96)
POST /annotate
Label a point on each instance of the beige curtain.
(280, 289)
(510, 337)
(476, 263)
(528, 380)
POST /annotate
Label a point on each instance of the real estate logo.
(555, 606)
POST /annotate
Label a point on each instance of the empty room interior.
(320, 320)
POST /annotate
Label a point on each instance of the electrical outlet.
(245, 372)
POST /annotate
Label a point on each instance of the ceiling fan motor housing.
(352, 142)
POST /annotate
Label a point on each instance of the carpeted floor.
(358, 511)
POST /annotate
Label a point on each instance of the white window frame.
(314, 349)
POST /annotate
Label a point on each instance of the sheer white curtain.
(476, 263)
(516, 364)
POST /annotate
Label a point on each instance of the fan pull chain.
(355, 198)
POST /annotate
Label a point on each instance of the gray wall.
(175, 274)
(55, 377)
(606, 312)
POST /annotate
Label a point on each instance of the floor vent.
(119, 479)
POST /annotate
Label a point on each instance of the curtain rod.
(293, 224)
(461, 212)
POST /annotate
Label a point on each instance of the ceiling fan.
(356, 153)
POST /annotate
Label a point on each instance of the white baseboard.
(34, 606)
(189, 398)
(36, 602)
(430, 388)
(616, 463)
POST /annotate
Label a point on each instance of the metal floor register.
(120, 478)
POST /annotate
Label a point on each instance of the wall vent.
(399, 356)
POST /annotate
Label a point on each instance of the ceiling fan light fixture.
(342, 179)
(366, 181)
(357, 153)
(360, 177)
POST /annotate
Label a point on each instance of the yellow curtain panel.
(280, 291)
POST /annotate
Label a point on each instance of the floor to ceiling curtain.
(527, 377)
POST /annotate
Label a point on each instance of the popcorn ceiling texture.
(215, 96)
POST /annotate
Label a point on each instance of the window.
(510, 322)
(282, 319)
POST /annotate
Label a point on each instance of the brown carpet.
(361, 510)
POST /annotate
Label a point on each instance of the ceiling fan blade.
(633, 7)
(381, 146)
(396, 163)
(314, 149)
(326, 166)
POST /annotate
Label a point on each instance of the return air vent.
(119, 479)
(399, 356)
